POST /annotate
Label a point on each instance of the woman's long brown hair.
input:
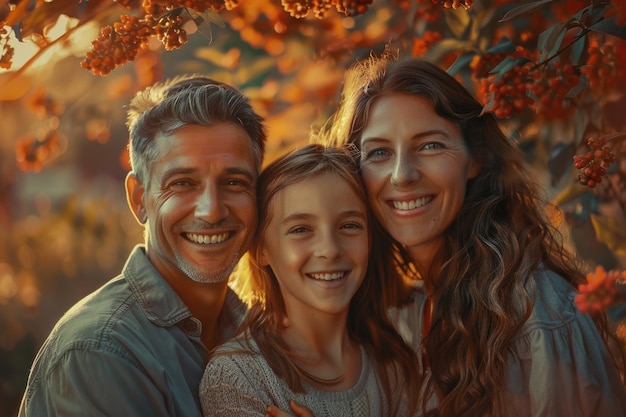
(502, 234)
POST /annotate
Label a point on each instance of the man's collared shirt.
(131, 348)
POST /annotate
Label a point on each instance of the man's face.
(200, 202)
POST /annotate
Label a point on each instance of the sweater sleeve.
(232, 386)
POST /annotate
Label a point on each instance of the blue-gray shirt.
(559, 366)
(131, 348)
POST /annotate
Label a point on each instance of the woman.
(317, 330)
(494, 321)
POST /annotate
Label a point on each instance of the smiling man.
(137, 346)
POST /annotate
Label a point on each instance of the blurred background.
(553, 72)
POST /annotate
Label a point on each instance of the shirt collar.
(157, 299)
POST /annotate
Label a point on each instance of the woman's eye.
(376, 153)
(432, 146)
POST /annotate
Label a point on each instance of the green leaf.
(438, 51)
(610, 27)
(458, 22)
(526, 8)
(578, 48)
(610, 231)
(580, 120)
(569, 194)
(505, 45)
(461, 62)
(560, 160)
(550, 40)
(507, 64)
(613, 136)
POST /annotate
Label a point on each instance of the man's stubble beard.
(206, 277)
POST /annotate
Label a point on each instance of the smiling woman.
(317, 331)
(491, 312)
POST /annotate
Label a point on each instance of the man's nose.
(210, 205)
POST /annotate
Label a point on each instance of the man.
(137, 345)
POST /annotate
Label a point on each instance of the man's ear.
(134, 195)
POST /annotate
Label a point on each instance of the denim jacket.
(131, 348)
(558, 366)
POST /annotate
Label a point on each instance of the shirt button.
(190, 325)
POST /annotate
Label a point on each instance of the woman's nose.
(405, 171)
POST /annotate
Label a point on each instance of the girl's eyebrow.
(306, 216)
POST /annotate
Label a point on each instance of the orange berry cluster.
(482, 65)
(605, 69)
(6, 50)
(32, 153)
(508, 93)
(455, 4)
(301, 8)
(423, 44)
(592, 166)
(170, 32)
(117, 44)
(600, 291)
(617, 10)
(120, 42)
(550, 89)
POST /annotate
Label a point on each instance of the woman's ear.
(474, 169)
(134, 195)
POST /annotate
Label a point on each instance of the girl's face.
(317, 244)
(415, 166)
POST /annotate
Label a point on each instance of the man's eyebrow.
(241, 171)
(168, 173)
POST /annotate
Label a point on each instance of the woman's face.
(415, 166)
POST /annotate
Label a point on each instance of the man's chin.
(206, 277)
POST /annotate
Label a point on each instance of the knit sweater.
(241, 383)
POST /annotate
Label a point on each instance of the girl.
(317, 330)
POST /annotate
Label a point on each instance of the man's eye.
(180, 183)
(238, 183)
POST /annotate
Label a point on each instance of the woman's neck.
(427, 261)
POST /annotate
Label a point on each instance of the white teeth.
(328, 276)
(207, 239)
(410, 205)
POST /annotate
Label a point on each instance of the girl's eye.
(352, 225)
(298, 230)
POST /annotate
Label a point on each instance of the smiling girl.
(317, 331)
